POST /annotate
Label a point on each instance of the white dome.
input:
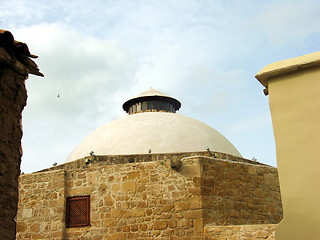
(162, 132)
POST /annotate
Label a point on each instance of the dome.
(152, 126)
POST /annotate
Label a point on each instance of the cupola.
(151, 101)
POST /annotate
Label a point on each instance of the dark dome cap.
(149, 95)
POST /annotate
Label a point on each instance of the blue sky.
(97, 54)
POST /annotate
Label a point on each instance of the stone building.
(15, 66)
(153, 174)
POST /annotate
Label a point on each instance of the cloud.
(86, 72)
(258, 143)
(82, 69)
(288, 22)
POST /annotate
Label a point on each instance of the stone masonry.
(142, 197)
(13, 99)
(241, 232)
(14, 70)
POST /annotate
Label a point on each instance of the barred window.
(78, 211)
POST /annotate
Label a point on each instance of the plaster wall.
(294, 104)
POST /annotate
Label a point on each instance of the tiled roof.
(19, 51)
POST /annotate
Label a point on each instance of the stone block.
(191, 169)
(148, 212)
(154, 178)
(252, 170)
(81, 175)
(110, 222)
(168, 232)
(172, 223)
(35, 227)
(198, 225)
(116, 213)
(108, 200)
(160, 225)
(261, 234)
(138, 212)
(271, 179)
(37, 236)
(79, 191)
(128, 186)
(92, 178)
(180, 206)
(175, 194)
(165, 216)
(195, 191)
(208, 182)
(185, 223)
(195, 202)
(143, 227)
(133, 175)
(110, 178)
(115, 188)
(193, 214)
(103, 186)
(197, 181)
(167, 208)
(27, 213)
(126, 228)
(142, 204)
(21, 226)
(134, 228)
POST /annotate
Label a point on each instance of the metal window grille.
(78, 211)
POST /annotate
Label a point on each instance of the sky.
(97, 54)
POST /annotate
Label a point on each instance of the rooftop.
(287, 66)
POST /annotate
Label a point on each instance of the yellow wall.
(295, 108)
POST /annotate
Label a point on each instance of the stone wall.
(139, 200)
(13, 99)
(15, 65)
(241, 232)
(129, 201)
(239, 193)
(41, 206)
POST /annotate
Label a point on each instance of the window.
(156, 105)
(162, 106)
(167, 107)
(78, 211)
(144, 106)
(150, 105)
(138, 107)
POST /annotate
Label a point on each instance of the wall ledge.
(287, 66)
